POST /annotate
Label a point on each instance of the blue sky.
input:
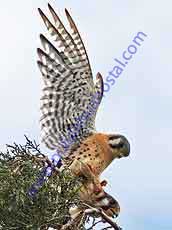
(138, 105)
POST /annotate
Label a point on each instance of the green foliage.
(20, 168)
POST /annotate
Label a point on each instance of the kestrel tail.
(67, 93)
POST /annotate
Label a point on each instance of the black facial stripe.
(120, 145)
(105, 207)
(114, 137)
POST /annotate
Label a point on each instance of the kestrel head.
(119, 145)
(111, 206)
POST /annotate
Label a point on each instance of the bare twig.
(94, 224)
(100, 213)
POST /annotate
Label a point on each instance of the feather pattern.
(69, 93)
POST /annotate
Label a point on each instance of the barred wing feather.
(68, 84)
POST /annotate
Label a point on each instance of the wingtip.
(99, 76)
(39, 52)
(43, 40)
(50, 7)
(67, 13)
(53, 13)
(40, 11)
(41, 36)
(39, 63)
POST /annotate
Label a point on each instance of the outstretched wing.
(69, 93)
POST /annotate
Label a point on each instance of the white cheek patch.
(115, 141)
(103, 202)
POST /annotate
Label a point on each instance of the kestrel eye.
(121, 145)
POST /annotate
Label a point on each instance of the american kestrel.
(69, 93)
